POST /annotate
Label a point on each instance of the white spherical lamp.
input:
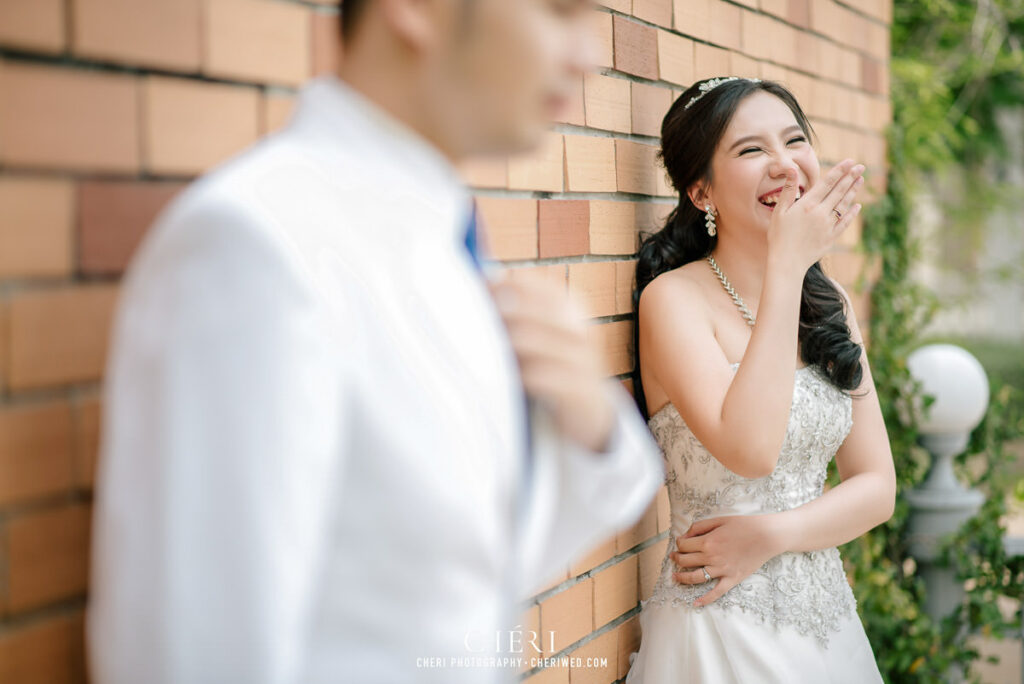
(957, 381)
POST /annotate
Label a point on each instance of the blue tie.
(474, 251)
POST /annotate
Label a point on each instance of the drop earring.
(710, 220)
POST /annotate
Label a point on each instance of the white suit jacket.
(314, 428)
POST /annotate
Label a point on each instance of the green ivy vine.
(954, 64)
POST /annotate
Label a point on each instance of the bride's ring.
(707, 577)
(839, 216)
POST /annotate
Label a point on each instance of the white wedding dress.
(794, 620)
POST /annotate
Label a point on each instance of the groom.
(317, 462)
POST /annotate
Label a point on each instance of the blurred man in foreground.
(318, 464)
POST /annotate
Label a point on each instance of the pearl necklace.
(728, 288)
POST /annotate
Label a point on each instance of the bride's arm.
(867, 494)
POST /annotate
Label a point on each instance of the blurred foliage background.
(957, 74)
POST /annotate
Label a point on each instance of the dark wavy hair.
(689, 138)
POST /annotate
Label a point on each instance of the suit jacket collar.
(345, 126)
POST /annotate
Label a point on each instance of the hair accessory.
(707, 86)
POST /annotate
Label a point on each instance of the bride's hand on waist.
(731, 547)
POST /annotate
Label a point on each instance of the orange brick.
(612, 227)
(35, 227)
(852, 235)
(625, 274)
(881, 112)
(50, 651)
(606, 103)
(570, 614)
(693, 17)
(800, 85)
(592, 285)
(594, 558)
(636, 166)
(877, 41)
(640, 531)
(826, 18)
(554, 273)
(855, 28)
(623, 6)
(190, 126)
(257, 40)
(650, 216)
(740, 65)
(68, 119)
(564, 227)
(628, 641)
(4, 348)
(675, 58)
(553, 674)
(485, 172)
(87, 438)
(844, 266)
(636, 49)
(113, 216)
(709, 62)
(275, 108)
(596, 661)
(775, 72)
(35, 451)
(849, 72)
(783, 47)
(830, 58)
(325, 32)
(36, 25)
(589, 163)
(820, 104)
(604, 55)
(47, 556)
(649, 106)
(655, 11)
(799, 12)
(650, 560)
(806, 51)
(59, 335)
(574, 111)
(778, 8)
(615, 591)
(613, 339)
(756, 36)
(542, 169)
(157, 33)
(725, 25)
(510, 227)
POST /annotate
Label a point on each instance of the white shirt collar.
(343, 121)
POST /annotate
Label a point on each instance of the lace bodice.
(808, 590)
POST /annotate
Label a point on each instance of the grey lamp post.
(941, 504)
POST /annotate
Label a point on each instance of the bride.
(751, 371)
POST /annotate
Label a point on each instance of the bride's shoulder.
(679, 287)
(679, 292)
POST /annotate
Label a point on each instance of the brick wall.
(574, 210)
(108, 107)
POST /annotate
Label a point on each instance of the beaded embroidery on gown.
(794, 620)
